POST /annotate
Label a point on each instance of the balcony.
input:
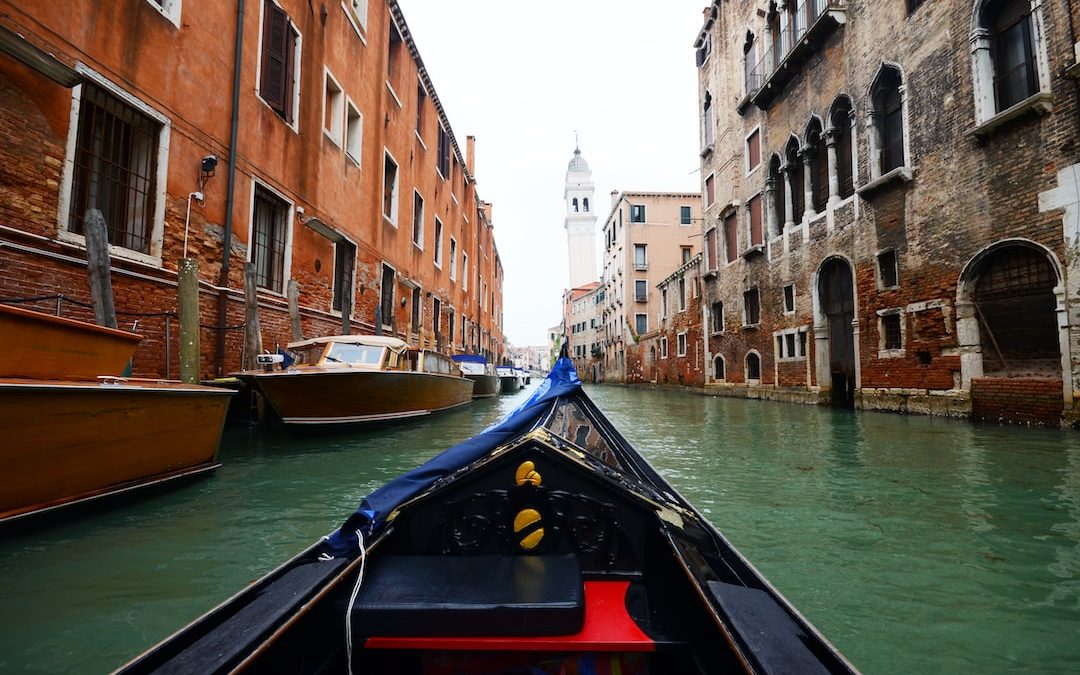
(807, 29)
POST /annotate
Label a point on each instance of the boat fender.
(525, 519)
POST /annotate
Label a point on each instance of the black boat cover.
(374, 508)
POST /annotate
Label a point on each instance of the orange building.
(306, 139)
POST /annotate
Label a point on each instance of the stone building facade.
(891, 204)
(327, 159)
(674, 352)
(581, 311)
(647, 236)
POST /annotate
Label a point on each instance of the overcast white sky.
(522, 77)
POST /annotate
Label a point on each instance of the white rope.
(352, 599)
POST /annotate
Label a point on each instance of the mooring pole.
(292, 291)
(97, 266)
(189, 320)
(253, 335)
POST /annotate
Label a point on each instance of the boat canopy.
(373, 510)
(469, 358)
(395, 344)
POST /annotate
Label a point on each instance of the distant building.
(581, 310)
(892, 204)
(580, 221)
(647, 236)
(674, 352)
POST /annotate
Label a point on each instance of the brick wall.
(1017, 400)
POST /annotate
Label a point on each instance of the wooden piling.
(252, 333)
(292, 291)
(190, 352)
(346, 302)
(97, 266)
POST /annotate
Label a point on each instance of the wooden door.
(836, 291)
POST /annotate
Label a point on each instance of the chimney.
(614, 198)
(470, 155)
(707, 12)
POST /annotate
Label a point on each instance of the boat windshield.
(355, 355)
(470, 368)
(571, 422)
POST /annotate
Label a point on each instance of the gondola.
(545, 544)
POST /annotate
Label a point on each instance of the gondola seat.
(407, 595)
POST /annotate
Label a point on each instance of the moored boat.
(546, 544)
(509, 379)
(476, 367)
(70, 436)
(351, 379)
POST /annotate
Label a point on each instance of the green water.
(914, 544)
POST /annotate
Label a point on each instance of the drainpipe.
(223, 280)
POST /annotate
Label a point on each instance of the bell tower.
(580, 220)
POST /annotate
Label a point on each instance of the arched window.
(718, 368)
(585, 203)
(575, 205)
(707, 120)
(1012, 43)
(840, 120)
(753, 367)
(795, 181)
(818, 165)
(777, 209)
(889, 114)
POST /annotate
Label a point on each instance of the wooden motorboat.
(509, 379)
(40, 346)
(486, 381)
(76, 434)
(350, 379)
(545, 544)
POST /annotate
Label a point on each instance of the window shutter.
(275, 61)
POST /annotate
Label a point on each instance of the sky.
(523, 78)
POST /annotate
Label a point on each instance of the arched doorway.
(1016, 308)
(836, 296)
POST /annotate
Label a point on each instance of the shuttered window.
(731, 238)
(754, 207)
(444, 152)
(841, 120)
(276, 85)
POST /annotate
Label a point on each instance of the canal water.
(914, 544)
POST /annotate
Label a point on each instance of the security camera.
(209, 163)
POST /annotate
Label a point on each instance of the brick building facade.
(673, 352)
(343, 172)
(891, 204)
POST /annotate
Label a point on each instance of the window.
(269, 230)
(890, 119)
(418, 220)
(704, 50)
(436, 316)
(344, 257)
(585, 204)
(718, 369)
(438, 242)
(680, 344)
(710, 191)
(1015, 74)
(386, 305)
(710, 250)
(464, 271)
(450, 317)
(278, 79)
(841, 123)
(333, 109)
(393, 56)
(641, 293)
(637, 213)
(170, 9)
(444, 153)
(663, 302)
(707, 121)
(663, 347)
(888, 270)
(753, 150)
(684, 215)
(354, 132)
(718, 317)
(117, 169)
(795, 181)
(390, 189)
(640, 261)
(641, 323)
(575, 204)
(789, 299)
(890, 331)
(685, 253)
(753, 368)
(731, 237)
(776, 181)
(357, 12)
(453, 259)
(817, 160)
(751, 308)
(421, 96)
(682, 294)
(753, 207)
(791, 345)
(913, 5)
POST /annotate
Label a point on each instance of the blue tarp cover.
(469, 358)
(373, 510)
